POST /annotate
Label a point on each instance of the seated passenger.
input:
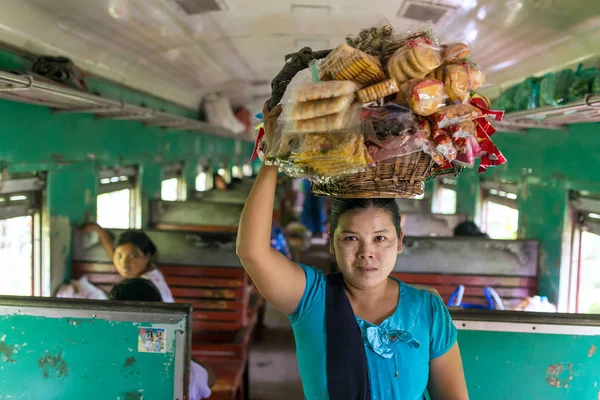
(132, 255)
(219, 183)
(138, 289)
(469, 228)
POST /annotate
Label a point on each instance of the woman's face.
(220, 183)
(130, 261)
(366, 246)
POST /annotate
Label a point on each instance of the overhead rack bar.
(33, 90)
(576, 112)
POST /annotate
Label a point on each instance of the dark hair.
(468, 228)
(139, 239)
(135, 289)
(341, 206)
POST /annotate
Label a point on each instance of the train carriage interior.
(147, 116)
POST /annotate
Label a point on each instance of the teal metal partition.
(529, 356)
(75, 349)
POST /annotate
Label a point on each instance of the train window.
(20, 237)
(116, 202)
(247, 170)
(500, 215)
(204, 182)
(444, 198)
(585, 274)
(173, 185)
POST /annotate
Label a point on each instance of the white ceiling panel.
(153, 46)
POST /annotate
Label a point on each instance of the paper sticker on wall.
(152, 340)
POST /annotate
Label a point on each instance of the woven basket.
(400, 177)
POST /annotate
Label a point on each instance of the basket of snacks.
(380, 114)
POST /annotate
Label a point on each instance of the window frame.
(34, 189)
(131, 183)
(440, 184)
(497, 192)
(175, 171)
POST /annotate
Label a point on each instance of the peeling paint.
(7, 351)
(556, 375)
(592, 351)
(53, 365)
(133, 395)
(59, 258)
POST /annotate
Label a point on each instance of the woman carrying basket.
(360, 334)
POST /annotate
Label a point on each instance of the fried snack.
(319, 108)
(456, 81)
(455, 114)
(327, 123)
(346, 63)
(378, 91)
(415, 60)
(323, 90)
(454, 52)
(424, 96)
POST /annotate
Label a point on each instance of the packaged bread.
(424, 96)
(327, 123)
(455, 114)
(317, 108)
(347, 63)
(378, 91)
(310, 91)
(415, 60)
(455, 52)
(459, 79)
(444, 144)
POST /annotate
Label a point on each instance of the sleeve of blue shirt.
(443, 332)
(314, 292)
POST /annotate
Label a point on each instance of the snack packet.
(424, 96)
(378, 91)
(346, 63)
(415, 60)
(455, 114)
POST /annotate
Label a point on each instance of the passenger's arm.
(447, 378)
(280, 280)
(105, 238)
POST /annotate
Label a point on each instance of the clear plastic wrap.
(424, 96)
(306, 90)
(527, 95)
(378, 91)
(554, 87)
(350, 117)
(455, 114)
(444, 144)
(400, 40)
(390, 131)
(466, 157)
(317, 108)
(506, 100)
(415, 60)
(347, 63)
(455, 52)
(587, 82)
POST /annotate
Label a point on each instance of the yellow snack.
(319, 108)
(378, 91)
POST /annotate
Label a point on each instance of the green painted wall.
(546, 164)
(73, 147)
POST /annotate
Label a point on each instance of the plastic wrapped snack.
(455, 114)
(466, 157)
(424, 96)
(332, 154)
(347, 118)
(390, 131)
(310, 91)
(400, 40)
(415, 60)
(462, 130)
(378, 91)
(317, 108)
(444, 144)
(455, 52)
(346, 63)
(554, 87)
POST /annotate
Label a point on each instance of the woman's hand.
(89, 227)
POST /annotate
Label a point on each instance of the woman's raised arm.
(280, 280)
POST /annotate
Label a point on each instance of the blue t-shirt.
(398, 351)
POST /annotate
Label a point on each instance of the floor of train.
(273, 366)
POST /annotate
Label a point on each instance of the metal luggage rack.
(576, 112)
(61, 99)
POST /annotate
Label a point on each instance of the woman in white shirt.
(132, 255)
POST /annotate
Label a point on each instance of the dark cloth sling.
(347, 371)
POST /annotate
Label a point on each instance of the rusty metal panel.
(473, 256)
(181, 248)
(66, 349)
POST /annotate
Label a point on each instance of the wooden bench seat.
(511, 289)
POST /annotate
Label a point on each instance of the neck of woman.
(374, 295)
